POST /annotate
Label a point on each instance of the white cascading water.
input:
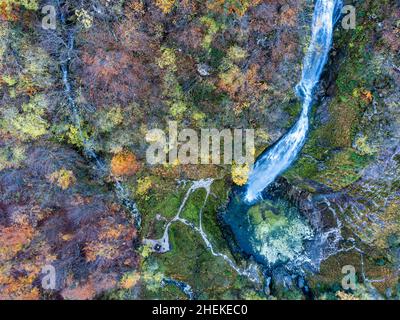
(276, 160)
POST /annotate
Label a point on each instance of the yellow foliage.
(129, 280)
(240, 173)
(212, 28)
(239, 107)
(144, 185)
(84, 17)
(145, 251)
(167, 59)
(236, 54)
(363, 146)
(345, 296)
(63, 178)
(263, 135)
(165, 5)
(75, 136)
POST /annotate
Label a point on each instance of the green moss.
(164, 199)
(210, 221)
(189, 260)
(343, 169)
(293, 109)
(194, 206)
(196, 264)
(255, 215)
(306, 167)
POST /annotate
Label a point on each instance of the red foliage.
(118, 70)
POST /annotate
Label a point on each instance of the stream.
(69, 40)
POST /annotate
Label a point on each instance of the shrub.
(144, 185)
(63, 178)
(240, 174)
(165, 5)
(129, 280)
(124, 164)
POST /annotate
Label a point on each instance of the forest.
(83, 84)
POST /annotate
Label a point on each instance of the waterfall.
(278, 158)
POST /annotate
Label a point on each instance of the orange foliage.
(8, 11)
(106, 246)
(13, 239)
(367, 96)
(96, 284)
(112, 232)
(124, 164)
(17, 281)
(82, 292)
(19, 288)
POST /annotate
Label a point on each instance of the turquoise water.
(265, 226)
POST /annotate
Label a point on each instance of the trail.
(163, 245)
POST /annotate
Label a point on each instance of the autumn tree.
(124, 164)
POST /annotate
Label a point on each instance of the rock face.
(348, 166)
